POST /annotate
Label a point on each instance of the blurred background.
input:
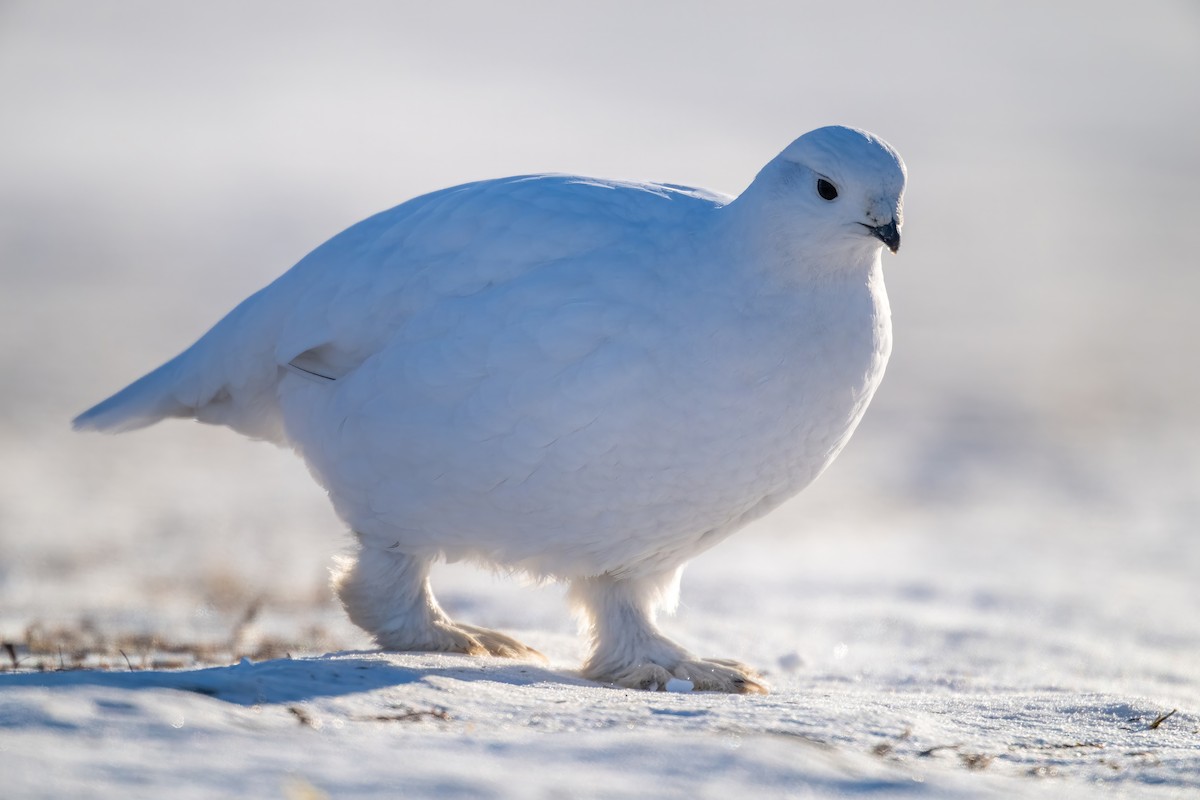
(1038, 424)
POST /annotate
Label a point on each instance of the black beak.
(888, 234)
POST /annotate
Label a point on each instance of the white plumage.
(586, 380)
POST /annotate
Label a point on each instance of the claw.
(706, 675)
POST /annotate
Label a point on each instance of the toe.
(705, 676)
(437, 638)
(647, 677)
(501, 645)
(745, 669)
(711, 675)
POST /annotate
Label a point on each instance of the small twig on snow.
(302, 716)
(242, 626)
(1057, 746)
(1161, 718)
(976, 761)
(887, 748)
(411, 715)
(936, 749)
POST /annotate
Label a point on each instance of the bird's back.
(402, 268)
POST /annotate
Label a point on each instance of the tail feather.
(227, 377)
(145, 401)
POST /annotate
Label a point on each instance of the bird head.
(836, 190)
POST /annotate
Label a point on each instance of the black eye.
(826, 189)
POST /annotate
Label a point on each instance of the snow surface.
(992, 593)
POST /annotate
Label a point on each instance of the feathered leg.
(629, 650)
(387, 594)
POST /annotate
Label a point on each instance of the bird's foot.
(705, 675)
(629, 650)
(445, 636)
(499, 644)
(387, 594)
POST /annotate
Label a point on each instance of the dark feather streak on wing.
(308, 373)
(326, 362)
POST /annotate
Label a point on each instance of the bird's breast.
(782, 389)
(591, 433)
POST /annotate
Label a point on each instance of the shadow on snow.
(298, 679)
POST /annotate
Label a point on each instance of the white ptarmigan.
(586, 380)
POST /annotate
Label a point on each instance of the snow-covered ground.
(994, 592)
